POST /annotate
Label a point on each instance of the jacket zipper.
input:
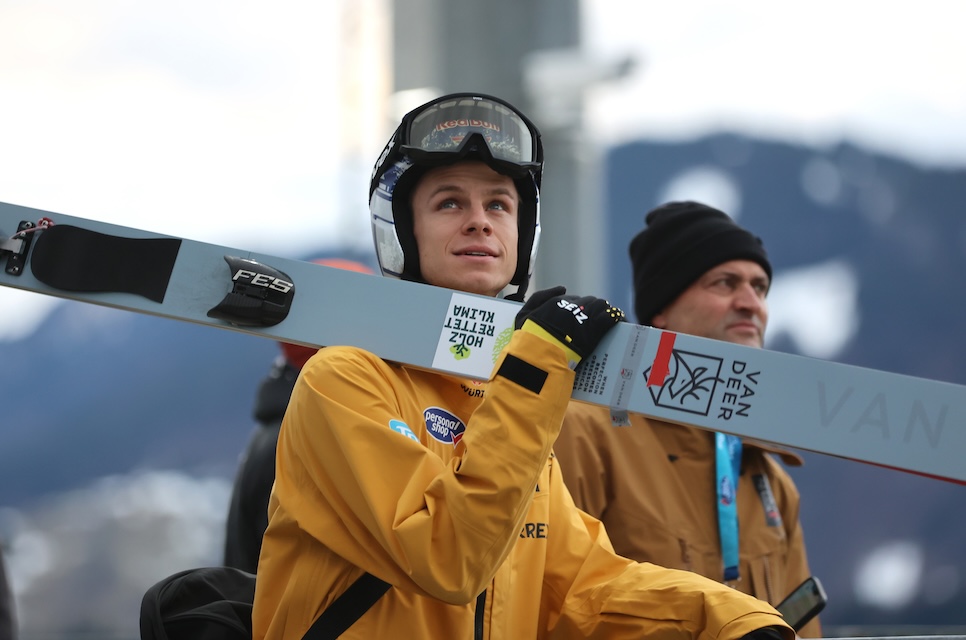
(478, 621)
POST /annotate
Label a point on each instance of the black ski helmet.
(451, 128)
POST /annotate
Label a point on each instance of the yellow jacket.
(446, 488)
(652, 484)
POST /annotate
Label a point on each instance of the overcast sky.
(216, 120)
(888, 75)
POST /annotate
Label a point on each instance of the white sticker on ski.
(474, 332)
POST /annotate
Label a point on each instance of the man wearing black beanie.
(657, 486)
(682, 241)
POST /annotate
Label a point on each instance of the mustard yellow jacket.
(652, 483)
(447, 489)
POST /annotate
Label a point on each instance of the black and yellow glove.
(577, 324)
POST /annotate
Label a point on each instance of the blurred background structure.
(841, 141)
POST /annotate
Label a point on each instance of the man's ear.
(659, 321)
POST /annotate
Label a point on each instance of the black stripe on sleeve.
(523, 373)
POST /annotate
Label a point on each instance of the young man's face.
(726, 303)
(465, 224)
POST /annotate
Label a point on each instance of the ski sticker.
(474, 332)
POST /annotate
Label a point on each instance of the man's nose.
(477, 220)
(747, 297)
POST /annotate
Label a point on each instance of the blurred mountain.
(121, 432)
(900, 227)
(887, 545)
(98, 391)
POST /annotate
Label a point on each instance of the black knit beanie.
(683, 240)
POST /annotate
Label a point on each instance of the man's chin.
(745, 338)
(479, 286)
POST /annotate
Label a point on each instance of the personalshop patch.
(443, 425)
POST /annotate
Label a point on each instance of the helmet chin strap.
(519, 294)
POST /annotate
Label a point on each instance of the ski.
(907, 423)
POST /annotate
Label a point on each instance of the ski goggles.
(461, 125)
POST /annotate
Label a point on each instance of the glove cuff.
(532, 327)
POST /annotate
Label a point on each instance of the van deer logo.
(690, 383)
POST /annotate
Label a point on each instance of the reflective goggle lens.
(445, 126)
